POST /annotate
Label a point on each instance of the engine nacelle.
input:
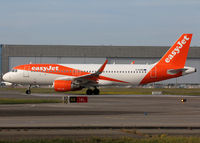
(65, 85)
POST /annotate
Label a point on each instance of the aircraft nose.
(6, 77)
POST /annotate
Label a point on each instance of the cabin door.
(26, 71)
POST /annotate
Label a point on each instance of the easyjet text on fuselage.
(47, 68)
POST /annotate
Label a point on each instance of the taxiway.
(104, 111)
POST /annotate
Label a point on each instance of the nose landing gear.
(28, 91)
(93, 92)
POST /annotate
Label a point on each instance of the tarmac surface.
(110, 111)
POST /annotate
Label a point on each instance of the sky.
(98, 22)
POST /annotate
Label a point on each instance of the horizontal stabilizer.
(175, 71)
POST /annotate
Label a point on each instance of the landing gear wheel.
(28, 91)
(96, 91)
(89, 92)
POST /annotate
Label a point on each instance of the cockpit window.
(14, 70)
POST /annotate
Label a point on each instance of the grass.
(160, 139)
(104, 91)
(118, 91)
(148, 91)
(27, 101)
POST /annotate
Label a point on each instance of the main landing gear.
(28, 91)
(93, 92)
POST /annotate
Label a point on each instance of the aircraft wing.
(86, 79)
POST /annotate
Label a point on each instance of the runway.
(105, 111)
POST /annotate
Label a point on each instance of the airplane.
(71, 77)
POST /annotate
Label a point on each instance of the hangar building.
(13, 55)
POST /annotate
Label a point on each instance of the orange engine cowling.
(65, 85)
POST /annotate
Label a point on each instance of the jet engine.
(65, 85)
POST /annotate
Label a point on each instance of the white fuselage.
(127, 74)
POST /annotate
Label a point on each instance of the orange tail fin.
(172, 63)
(177, 54)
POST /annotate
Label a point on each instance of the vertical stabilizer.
(177, 54)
